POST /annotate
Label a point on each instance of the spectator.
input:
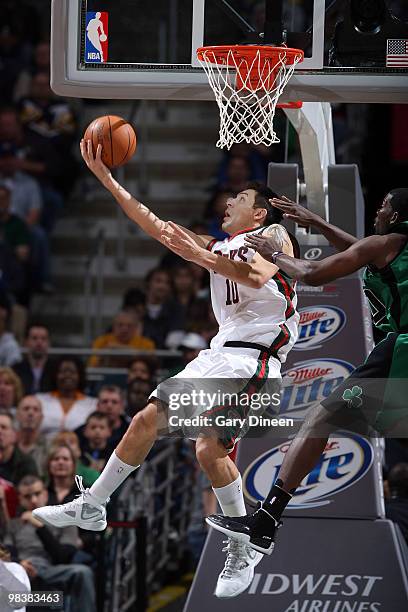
(204, 322)
(26, 199)
(13, 282)
(63, 487)
(396, 507)
(34, 155)
(202, 280)
(198, 313)
(35, 369)
(135, 300)
(184, 284)
(61, 468)
(215, 213)
(190, 346)
(13, 165)
(70, 438)
(66, 407)
(30, 440)
(111, 403)
(142, 367)
(4, 513)
(257, 156)
(8, 502)
(11, 390)
(138, 392)
(13, 577)
(162, 315)
(26, 203)
(96, 450)
(46, 114)
(238, 173)
(19, 30)
(46, 553)
(185, 290)
(126, 333)
(15, 247)
(9, 349)
(49, 116)
(26, 195)
(174, 338)
(41, 63)
(13, 463)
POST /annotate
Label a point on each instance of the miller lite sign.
(311, 381)
(317, 325)
(344, 462)
(96, 37)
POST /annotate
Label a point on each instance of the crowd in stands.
(38, 169)
(54, 438)
(57, 428)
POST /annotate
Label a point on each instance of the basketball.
(117, 137)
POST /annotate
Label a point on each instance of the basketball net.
(247, 81)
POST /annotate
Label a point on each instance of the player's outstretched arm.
(254, 274)
(295, 212)
(360, 254)
(135, 210)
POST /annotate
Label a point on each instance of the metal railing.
(111, 352)
(94, 274)
(150, 530)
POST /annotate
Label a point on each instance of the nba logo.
(96, 37)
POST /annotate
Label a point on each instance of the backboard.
(132, 49)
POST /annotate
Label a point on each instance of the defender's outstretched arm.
(360, 254)
(295, 212)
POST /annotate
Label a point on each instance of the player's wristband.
(275, 255)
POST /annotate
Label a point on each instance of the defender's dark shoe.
(257, 530)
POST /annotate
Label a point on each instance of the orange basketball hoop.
(247, 81)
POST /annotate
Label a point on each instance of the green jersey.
(387, 290)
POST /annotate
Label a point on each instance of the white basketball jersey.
(265, 316)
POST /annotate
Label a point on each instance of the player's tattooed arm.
(371, 250)
(340, 239)
(135, 210)
(274, 239)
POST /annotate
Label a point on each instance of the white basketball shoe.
(83, 512)
(238, 570)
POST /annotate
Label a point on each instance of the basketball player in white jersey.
(96, 33)
(255, 307)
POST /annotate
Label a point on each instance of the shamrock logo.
(353, 396)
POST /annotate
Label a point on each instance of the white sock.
(231, 498)
(114, 473)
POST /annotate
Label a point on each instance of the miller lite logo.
(96, 37)
(318, 324)
(344, 462)
(311, 381)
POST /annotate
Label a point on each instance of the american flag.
(397, 53)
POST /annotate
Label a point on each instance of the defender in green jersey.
(366, 401)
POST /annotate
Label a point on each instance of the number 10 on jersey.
(232, 293)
